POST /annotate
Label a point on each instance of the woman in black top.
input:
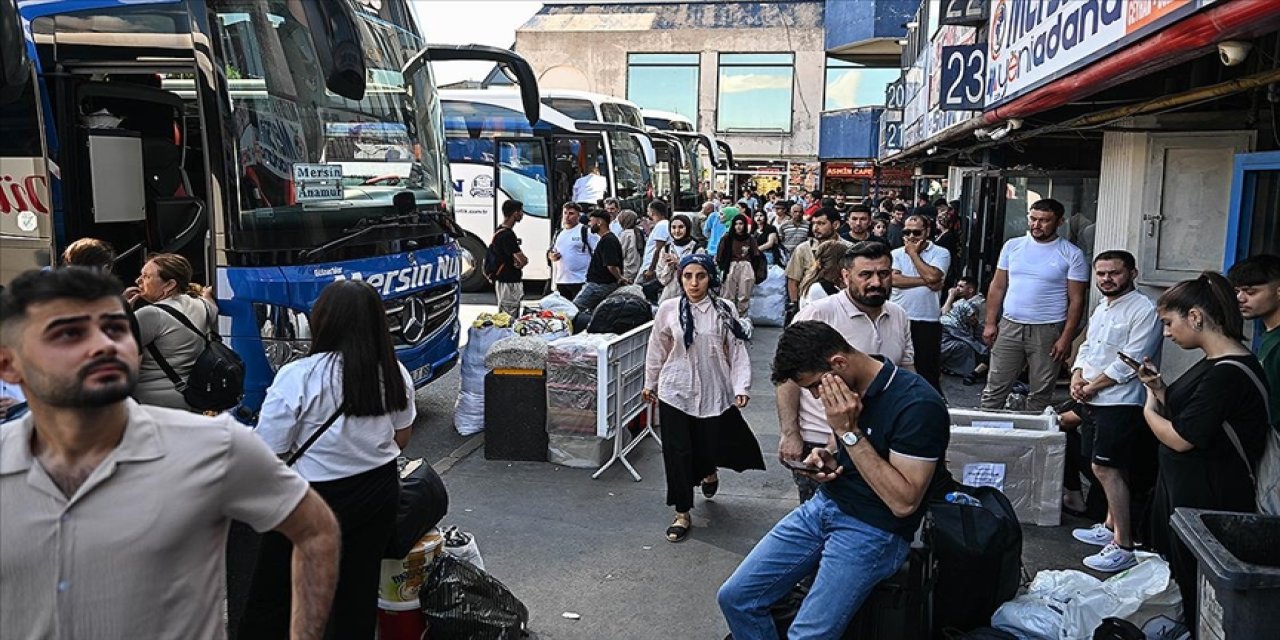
(1200, 468)
(767, 238)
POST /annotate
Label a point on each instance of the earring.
(1199, 326)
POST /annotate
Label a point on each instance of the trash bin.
(1239, 583)
(515, 415)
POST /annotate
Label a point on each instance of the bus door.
(522, 172)
(574, 155)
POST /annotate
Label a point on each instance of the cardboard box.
(1025, 465)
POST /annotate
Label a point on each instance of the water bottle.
(959, 497)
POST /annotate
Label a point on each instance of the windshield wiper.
(405, 225)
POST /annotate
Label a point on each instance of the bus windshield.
(312, 163)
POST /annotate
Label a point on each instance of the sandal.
(679, 529)
(709, 487)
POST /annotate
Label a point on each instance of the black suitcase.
(899, 608)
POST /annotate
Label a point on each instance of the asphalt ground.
(589, 557)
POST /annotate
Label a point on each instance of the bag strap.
(315, 436)
(178, 382)
(182, 318)
(1231, 431)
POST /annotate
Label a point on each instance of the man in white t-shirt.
(919, 268)
(659, 236)
(1035, 305)
(591, 186)
(571, 251)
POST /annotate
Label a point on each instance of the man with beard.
(823, 226)
(114, 515)
(1111, 399)
(604, 272)
(1035, 303)
(862, 314)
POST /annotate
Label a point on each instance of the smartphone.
(1124, 357)
(801, 466)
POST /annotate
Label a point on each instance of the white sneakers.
(1111, 559)
(1098, 535)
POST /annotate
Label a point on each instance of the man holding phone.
(1123, 330)
(892, 429)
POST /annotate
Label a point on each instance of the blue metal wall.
(849, 134)
(849, 21)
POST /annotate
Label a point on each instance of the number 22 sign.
(963, 77)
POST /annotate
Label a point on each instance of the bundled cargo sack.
(469, 410)
(769, 300)
(557, 303)
(462, 602)
(620, 314)
(979, 554)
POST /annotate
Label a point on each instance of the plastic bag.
(572, 384)
(1038, 614)
(462, 545)
(558, 304)
(1145, 595)
(469, 410)
(769, 300)
(463, 602)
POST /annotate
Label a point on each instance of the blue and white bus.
(278, 145)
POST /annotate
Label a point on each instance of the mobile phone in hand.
(1124, 357)
(801, 466)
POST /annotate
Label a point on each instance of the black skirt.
(693, 448)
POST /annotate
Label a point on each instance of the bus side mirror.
(14, 69)
(338, 46)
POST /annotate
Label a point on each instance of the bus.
(657, 120)
(495, 155)
(277, 145)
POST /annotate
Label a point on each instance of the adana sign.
(1032, 42)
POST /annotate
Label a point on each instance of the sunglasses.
(913, 232)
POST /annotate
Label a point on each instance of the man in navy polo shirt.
(892, 429)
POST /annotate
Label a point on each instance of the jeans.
(592, 294)
(851, 558)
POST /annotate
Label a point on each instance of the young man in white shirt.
(865, 317)
(658, 238)
(1111, 398)
(571, 251)
(1034, 307)
(919, 269)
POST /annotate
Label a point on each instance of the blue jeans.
(851, 557)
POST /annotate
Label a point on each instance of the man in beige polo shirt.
(863, 314)
(114, 515)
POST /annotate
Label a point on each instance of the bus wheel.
(472, 276)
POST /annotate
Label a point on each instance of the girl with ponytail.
(1211, 422)
(698, 371)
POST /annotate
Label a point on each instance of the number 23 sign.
(963, 77)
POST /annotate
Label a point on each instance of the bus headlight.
(285, 333)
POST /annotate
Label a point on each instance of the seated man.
(963, 351)
(892, 428)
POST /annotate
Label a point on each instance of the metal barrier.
(619, 383)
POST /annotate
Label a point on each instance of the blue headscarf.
(722, 308)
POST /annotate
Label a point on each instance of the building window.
(755, 92)
(851, 85)
(664, 82)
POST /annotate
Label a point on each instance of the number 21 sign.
(963, 77)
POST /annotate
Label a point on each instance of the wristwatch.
(850, 438)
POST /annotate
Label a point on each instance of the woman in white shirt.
(351, 378)
(824, 277)
(682, 244)
(698, 370)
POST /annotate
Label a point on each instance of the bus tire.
(472, 277)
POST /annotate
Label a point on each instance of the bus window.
(631, 176)
(573, 108)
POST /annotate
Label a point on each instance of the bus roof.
(510, 99)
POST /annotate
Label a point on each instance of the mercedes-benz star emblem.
(413, 321)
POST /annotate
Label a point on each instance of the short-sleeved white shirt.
(303, 396)
(921, 303)
(137, 551)
(661, 232)
(575, 256)
(1038, 275)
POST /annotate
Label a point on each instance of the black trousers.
(688, 453)
(926, 337)
(569, 291)
(365, 505)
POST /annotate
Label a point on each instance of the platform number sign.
(964, 71)
(891, 134)
(963, 12)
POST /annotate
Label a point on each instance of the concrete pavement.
(565, 543)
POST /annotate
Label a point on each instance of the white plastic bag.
(769, 299)
(468, 416)
(462, 545)
(557, 302)
(1145, 595)
(1038, 614)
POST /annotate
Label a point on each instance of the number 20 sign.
(963, 77)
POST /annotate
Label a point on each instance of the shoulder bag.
(1266, 479)
(216, 381)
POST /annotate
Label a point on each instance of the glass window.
(573, 108)
(664, 81)
(471, 126)
(851, 85)
(755, 92)
(630, 173)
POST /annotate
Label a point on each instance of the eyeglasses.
(913, 232)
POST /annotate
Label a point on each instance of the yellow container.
(402, 579)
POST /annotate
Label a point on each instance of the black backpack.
(493, 263)
(979, 554)
(216, 382)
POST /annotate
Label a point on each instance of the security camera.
(1233, 52)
